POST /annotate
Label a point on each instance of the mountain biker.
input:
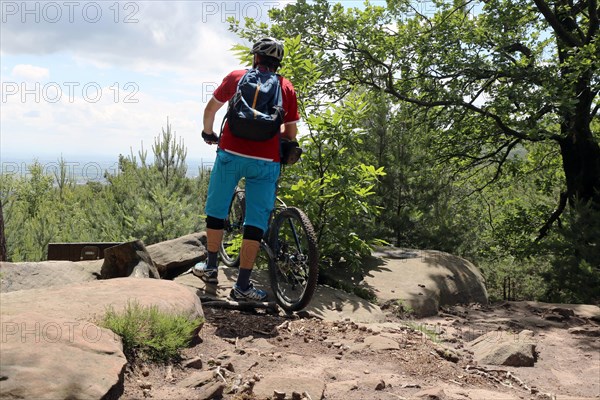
(256, 161)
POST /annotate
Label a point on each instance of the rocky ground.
(341, 347)
(255, 355)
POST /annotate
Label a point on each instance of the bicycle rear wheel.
(233, 231)
(294, 269)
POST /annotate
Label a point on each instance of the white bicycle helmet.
(268, 47)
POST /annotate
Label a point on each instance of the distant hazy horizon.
(82, 167)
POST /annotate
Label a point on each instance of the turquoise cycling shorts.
(261, 184)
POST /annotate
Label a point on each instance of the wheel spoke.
(295, 264)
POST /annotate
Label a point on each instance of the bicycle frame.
(264, 243)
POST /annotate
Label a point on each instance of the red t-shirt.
(269, 149)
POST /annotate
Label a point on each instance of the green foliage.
(155, 202)
(331, 183)
(148, 333)
(574, 276)
(149, 201)
(470, 110)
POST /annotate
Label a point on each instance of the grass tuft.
(150, 334)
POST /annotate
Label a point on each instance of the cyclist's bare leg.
(248, 253)
(213, 239)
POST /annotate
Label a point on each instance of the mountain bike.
(290, 245)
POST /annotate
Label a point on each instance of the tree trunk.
(581, 164)
(3, 256)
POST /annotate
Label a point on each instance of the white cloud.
(105, 128)
(30, 73)
(178, 52)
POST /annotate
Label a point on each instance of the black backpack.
(256, 110)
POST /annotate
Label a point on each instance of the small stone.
(210, 391)
(296, 396)
(338, 357)
(224, 355)
(145, 371)
(380, 385)
(195, 363)
(366, 372)
(169, 374)
(229, 367)
(145, 385)
(147, 393)
(277, 395)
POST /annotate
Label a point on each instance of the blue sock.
(211, 263)
(243, 279)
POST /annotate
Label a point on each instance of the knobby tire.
(286, 255)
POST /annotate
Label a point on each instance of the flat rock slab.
(227, 277)
(33, 275)
(327, 303)
(286, 384)
(332, 304)
(579, 310)
(89, 300)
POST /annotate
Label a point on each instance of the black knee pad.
(253, 233)
(214, 223)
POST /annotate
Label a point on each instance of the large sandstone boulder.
(173, 257)
(87, 300)
(33, 275)
(52, 347)
(419, 280)
(58, 358)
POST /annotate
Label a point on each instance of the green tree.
(501, 76)
(154, 201)
(507, 91)
(2, 237)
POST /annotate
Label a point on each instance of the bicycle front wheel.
(294, 269)
(233, 230)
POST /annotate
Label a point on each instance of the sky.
(89, 80)
(95, 79)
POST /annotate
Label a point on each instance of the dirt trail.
(252, 355)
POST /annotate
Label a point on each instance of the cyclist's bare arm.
(290, 131)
